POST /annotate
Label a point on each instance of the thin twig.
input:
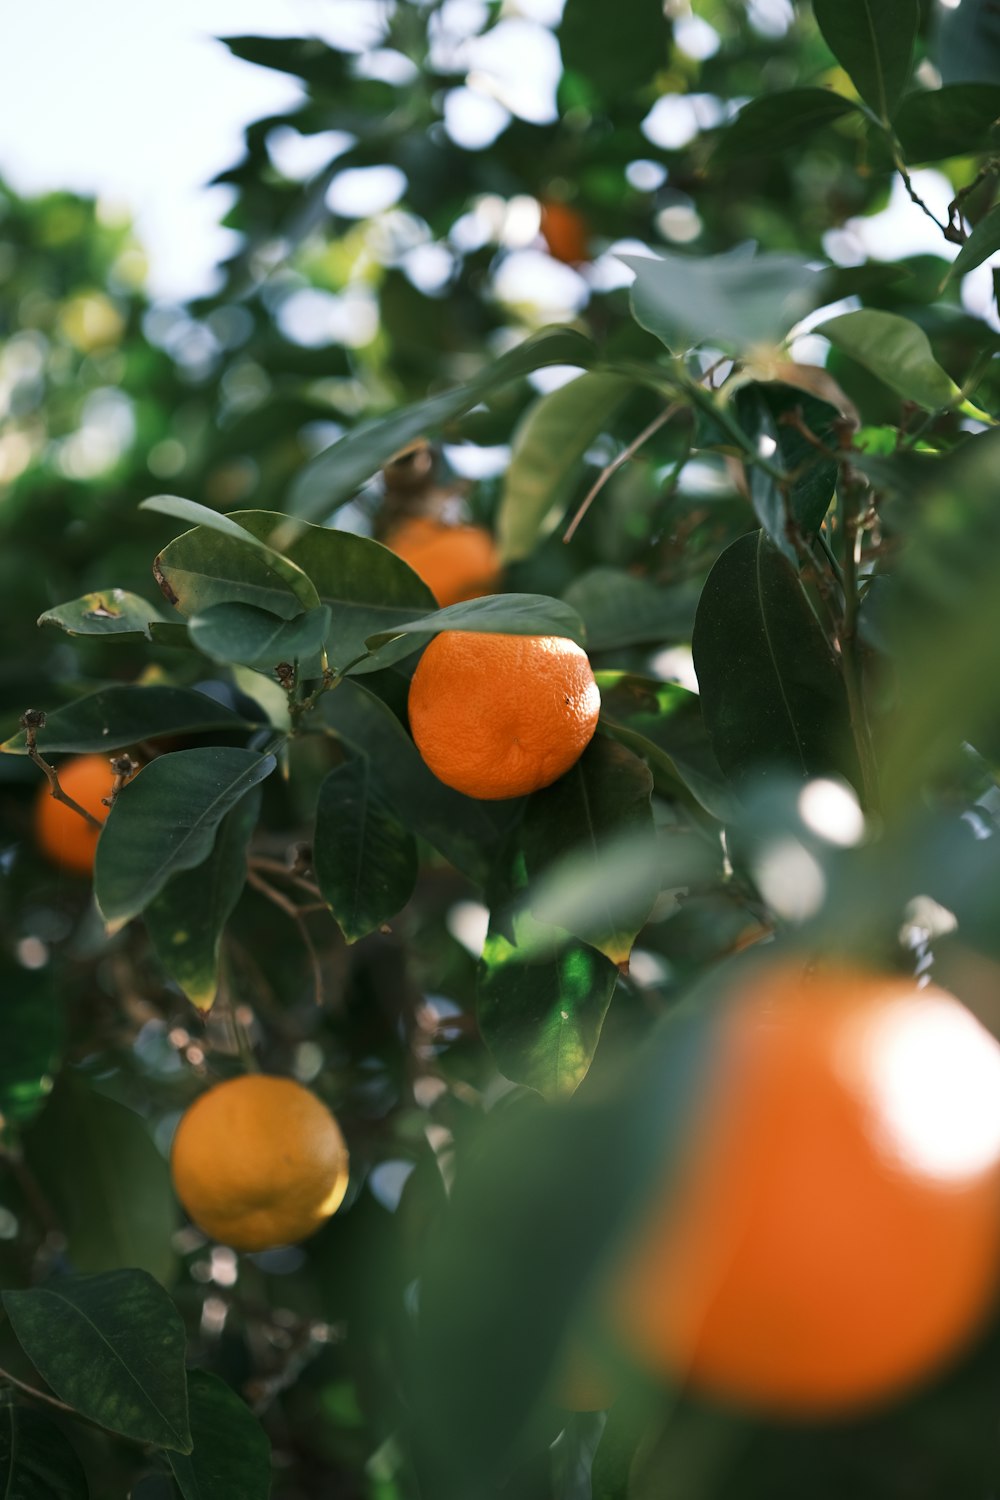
(617, 462)
(275, 867)
(295, 913)
(32, 720)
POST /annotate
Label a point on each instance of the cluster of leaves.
(823, 539)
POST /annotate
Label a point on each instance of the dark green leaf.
(778, 121)
(730, 300)
(641, 39)
(873, 42)
(112, 1347)
(338, 472)
(244, 633)
(966, 42)
(510, 614)
(619, 609)
(37, 1461)
(663, 722)
(113, 612)
(165, 821)
(760, 408)
(983, 242)
(202, 517)
(952, 121)
(32, 1028)
(548, 447)
(573, 831)
(771, 692)
(120, 716)
(366, 862)
(186, 920)
(897, 351)
(467, 832)
(541, 1013)
(231, 1457)
(110, 1186)
(202, 568)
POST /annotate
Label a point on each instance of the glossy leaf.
(202, 568)
(663, 722)
(510, 614)
(165, 821)
(760, 408)
(873, 42)
(983, 242)
(603, 800)
(467, 832)
(897, 351)
(111, 612)
(37, 1460)
(541, 1013)
(117, 717)
(31, 1022)
(951, 121)
(231, 1457)
(186, 920)
(243, 633)
(620, 609)
(365, 860)
(771, 692)
(548, 447)
(112, 1347)
(966, 42)
(339, 471)
(365, 587)
(731, 300)
(110, 1186)
(776, 122)
(203, 516)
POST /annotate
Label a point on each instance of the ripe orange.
(455, 562)
(499, 715)
(62, 834)
(833, 1234)
(564, 231)
(259, 1162)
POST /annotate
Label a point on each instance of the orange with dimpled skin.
(455, 562)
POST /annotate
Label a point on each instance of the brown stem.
(295, 914)
(31, 721)
(617, 462)
(274, 867)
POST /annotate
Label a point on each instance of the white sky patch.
(696, 38)
(519, 64)
(468, 922)
(315, 319)
(676, 664)
(553, 377)
(901, 229)
(299, 156)
(474, 462)
(362, 192)
(530, 279)
(830, 809)
(473, 119)
(429, 267)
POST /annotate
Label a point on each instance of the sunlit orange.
(833, 1235)
(63, 836)
(455, 562)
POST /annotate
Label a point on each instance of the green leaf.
(663, 722)
(467, 832)
(37, 1460)
(603, 800)
(540, 1013)
(760, 408)
(729, 300)
(113, 612)
(186, 920)
(120, 716)
(966, 42)
(110, 1186)
(332, 477)
(952, 121)
(255, 637)
(873, 42)
(897, 351)
(641, 41)
(200, 568)
(165, 820)
(365, 587)
(983, 242)
(231, 1457)
(112, 1347)
(509, 614)
(549, 444)
(201, 516)
(365, 860)
(620, 609)
(775, 122)
(771, 691)
(31, 1024)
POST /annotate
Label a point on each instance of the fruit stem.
(32, 720)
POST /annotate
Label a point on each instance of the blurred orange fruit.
(500, 715)
(455, 562)
(565, 232)
(582, 1383)
(62, 835)
(259, 1162)
(833, 1233)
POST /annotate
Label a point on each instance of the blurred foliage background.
(465, 181)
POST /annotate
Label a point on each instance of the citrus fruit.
(833, 1233)
(564, 232)
(499, 715)
(62, 835)
(258, 1162)
(455, 562)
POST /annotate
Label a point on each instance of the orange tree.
(598, 1133)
